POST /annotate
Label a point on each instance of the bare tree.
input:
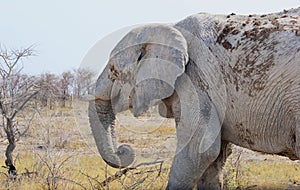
(66, 81)
(16, 91)
(49, 89)
(82, 82)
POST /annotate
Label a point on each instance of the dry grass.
(59, 152)
(271, 174)
(251, 170)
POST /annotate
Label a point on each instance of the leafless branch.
(90, 178)
(28, 173)
(46, 164)
(28, 124)
(120, 173)
(3, 111)
(4, 173)
(72, 181)
(23, 104)
(63, 162)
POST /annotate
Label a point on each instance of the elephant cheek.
(121, 101)
(138, 103)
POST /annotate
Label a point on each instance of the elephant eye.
(142, 54)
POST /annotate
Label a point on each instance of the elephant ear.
(162, 56)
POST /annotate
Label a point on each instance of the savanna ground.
(58, 152)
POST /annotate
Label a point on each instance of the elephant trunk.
(102, 120)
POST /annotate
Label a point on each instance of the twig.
(46, 163)
(160, 169)
(72, 181)
(93, 178)
(23, 104)
(4, 173)
(28, 173)
(117, 175)
(64, 161)
(120, 173)
(140, 181)
(147, 164)
(151, 171)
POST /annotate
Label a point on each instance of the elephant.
(225, 79)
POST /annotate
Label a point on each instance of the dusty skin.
(223, 78)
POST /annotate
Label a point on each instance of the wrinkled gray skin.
(223, 78)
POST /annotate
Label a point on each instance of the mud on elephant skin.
(223, 78)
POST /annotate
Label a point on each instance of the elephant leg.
(213, 176)
(198, 146)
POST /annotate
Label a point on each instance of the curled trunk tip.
(102, 119)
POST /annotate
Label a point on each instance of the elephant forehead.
(163, 70)
(163, 34)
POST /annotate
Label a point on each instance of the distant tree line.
(63, 88)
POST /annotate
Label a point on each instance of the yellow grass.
(60, 151)
(271, 174)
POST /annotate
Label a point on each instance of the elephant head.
(142, 70)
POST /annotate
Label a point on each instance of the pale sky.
(63, 31)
